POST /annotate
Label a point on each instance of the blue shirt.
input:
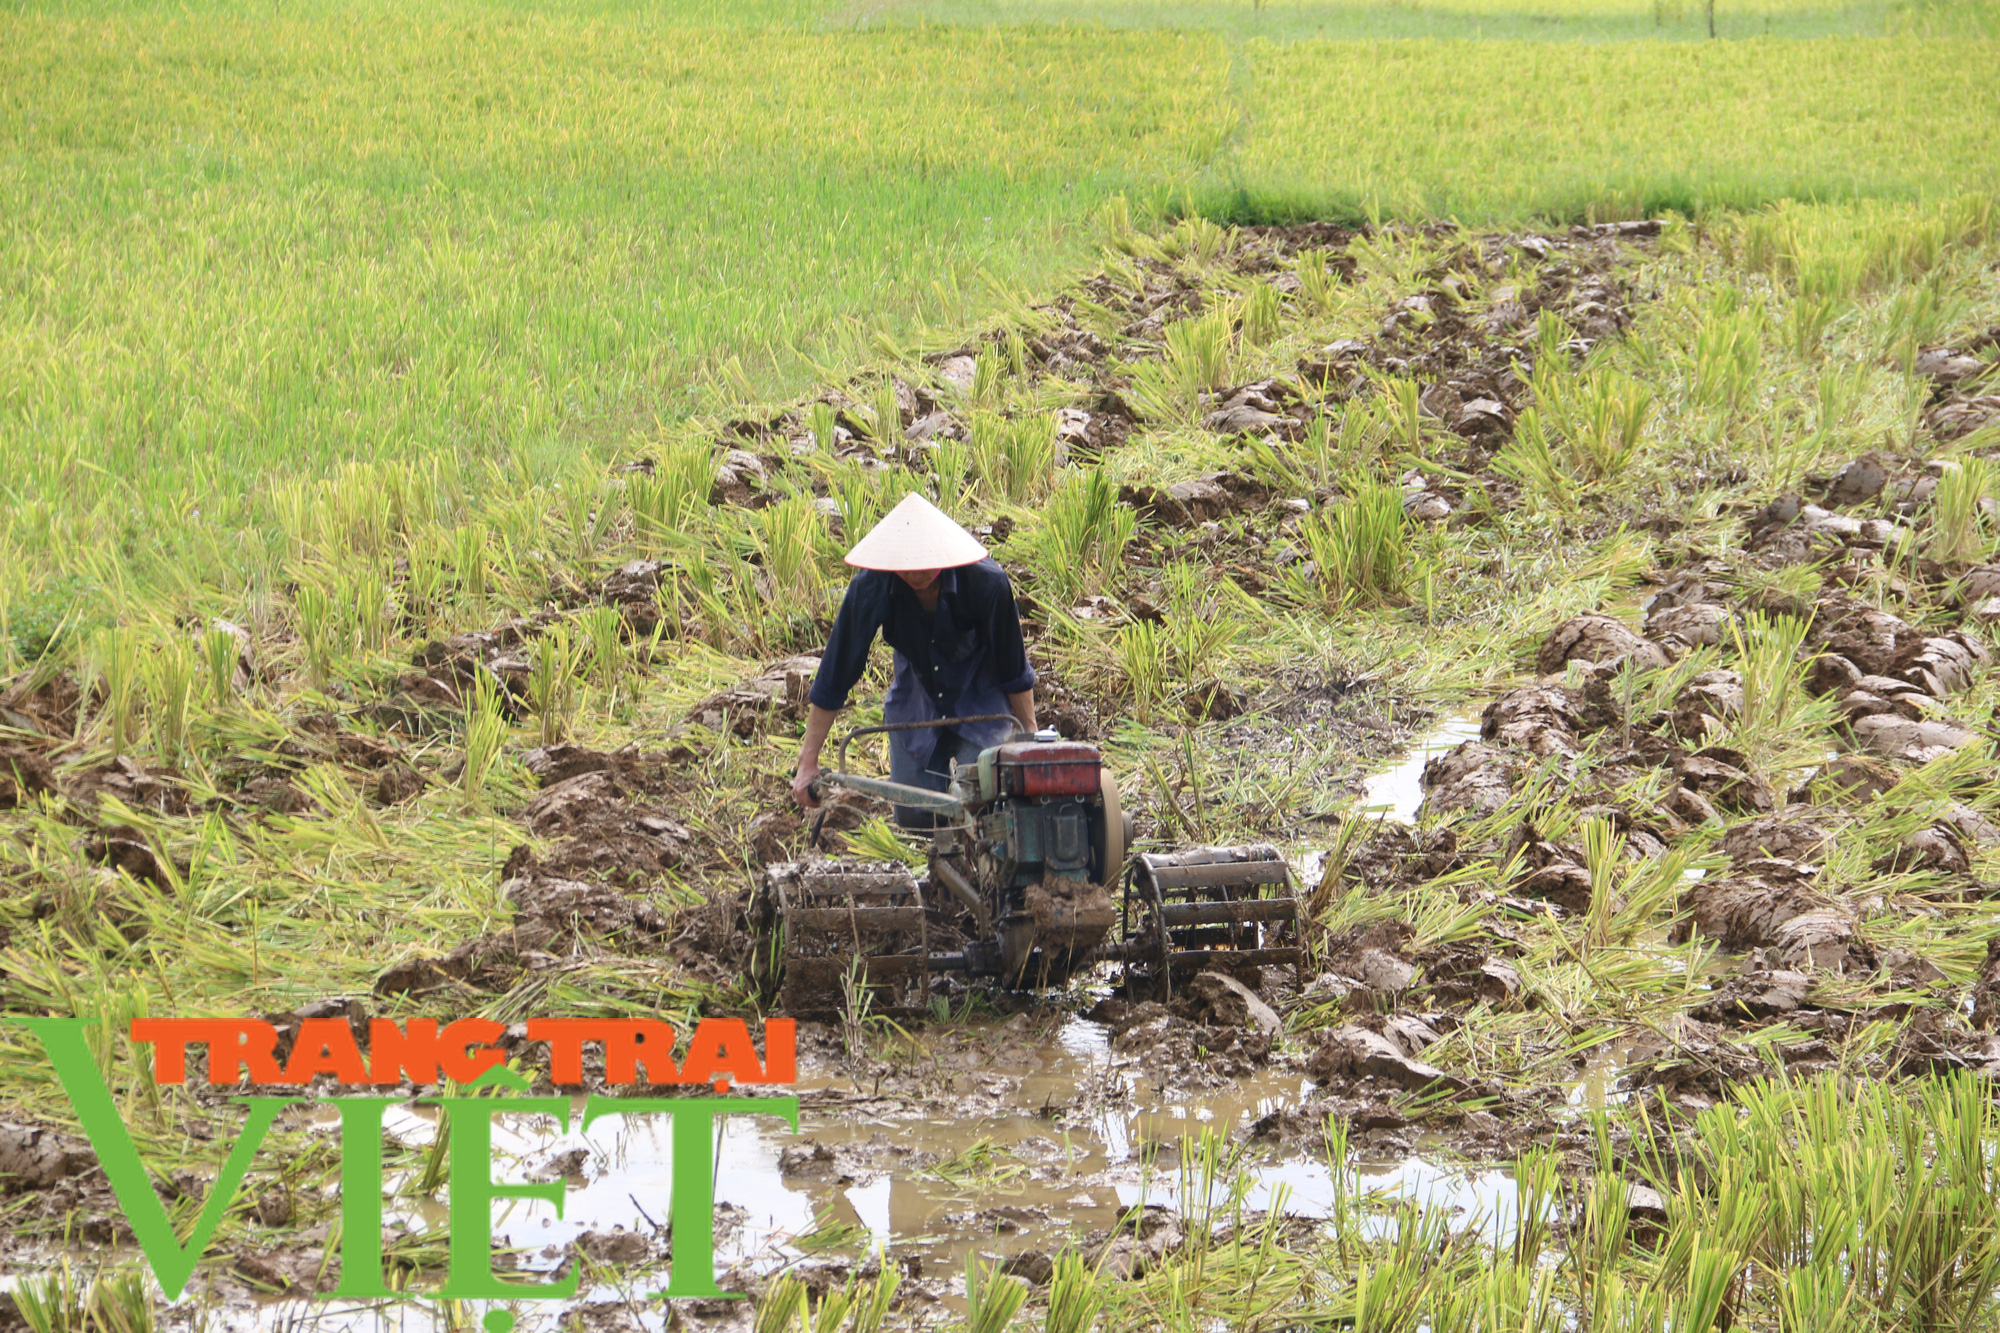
(962, 661)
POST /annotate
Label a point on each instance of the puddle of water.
(1597, 1088)
(1398, 791)
(1080, 1136)
(1092, 1135)
(1485, 1201)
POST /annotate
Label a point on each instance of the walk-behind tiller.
(1028, 848)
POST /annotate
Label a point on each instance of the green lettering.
(469, 1121)
(692, 1210)
(361, 1196)
(172, 1262)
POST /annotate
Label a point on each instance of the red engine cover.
(1050, 768)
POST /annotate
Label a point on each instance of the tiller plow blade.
(825, 931)
(1229, 908)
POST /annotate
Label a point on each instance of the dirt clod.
(1221, 1000)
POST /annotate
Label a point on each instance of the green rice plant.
(1200, 356)
(1364, 438)
(323, 628)
(1960, 530)
(1280, 468)
(951, 470)
(1401, 410)
(1116, 220)
(1080, 544)
(782, 1308)
(1767, 657)
(991, 1299)
(1806, 324)
(872, 1300)
(1920, 313)
(1836, 395)
(52, 1304)
(1605, 1218)
(1833, 277)
(552, 683)
(888, 416)
(877, 840)
(1600, 418)
(223, 656)
(864, 495)
(485, 732)
(122, 1302)
(669, 501)
(1727, 354)
(468, 558)
(792, 539)
(1143, 661)
(1551, 340)
(587, 515)
(119, 1301)
(1502, 1297)
(1017, 354)
(1393, 1289)
(426, 592)
(1157, 397)
(116, 661)
(1262, 318)
(1603, 849)
(44, 622)
(366, 590)
(1196, 238)
(1200, 623)
(296, 512)
(354, 509)
(603, 639)
(1530, 457)
(985, 391)
(1537, 1189)
(820, 419)
(1075, 1296)
(170, 679)
(1318, 283)
(1360, 548)
(1817, 1300)
(1015, 460)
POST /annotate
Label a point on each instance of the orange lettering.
(325, 1046)
(719, 1052)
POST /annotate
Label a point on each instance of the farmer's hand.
(802, 784)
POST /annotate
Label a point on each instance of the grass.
(247, 247)
(1476, 20)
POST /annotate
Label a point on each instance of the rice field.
(405, 416)
(345, 794)
(244, 245)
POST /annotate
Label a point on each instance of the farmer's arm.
(1022, 706)
(840, 666)
(818, 723)
(1010, 658)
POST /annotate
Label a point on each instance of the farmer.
(948, 611)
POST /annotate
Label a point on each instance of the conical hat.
(916, 534)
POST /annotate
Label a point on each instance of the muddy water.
(914, 1177)
(1396, 792)
(930, 1185)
